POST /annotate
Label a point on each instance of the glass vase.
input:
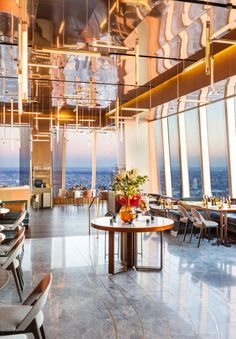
(127, 213)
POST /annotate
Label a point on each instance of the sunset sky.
(79, 145)
(79, 150)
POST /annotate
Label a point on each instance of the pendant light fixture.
(24, 54)
(20, 103)
(117, 113)
(208, 49)
(4, 122)
(12, 122)
(76, 118)
(137, 128)
(90, 92)
(137, 62)
(121, 131)
(58, 122)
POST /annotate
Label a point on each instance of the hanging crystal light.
(137, 62)
(117, 113)
(58, 121)
(208, 49)
(12, 122)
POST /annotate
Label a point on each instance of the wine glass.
(144, 204)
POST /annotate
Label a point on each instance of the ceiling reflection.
(168, 34)
(204, 96)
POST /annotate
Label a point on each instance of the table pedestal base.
(129, 254)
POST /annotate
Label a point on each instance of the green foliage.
(128, 183)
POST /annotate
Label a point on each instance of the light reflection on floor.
(193, 297)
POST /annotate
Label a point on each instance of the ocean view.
(83, 177)
(74, 177)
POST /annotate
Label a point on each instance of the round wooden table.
(129, 232)
(4, 277)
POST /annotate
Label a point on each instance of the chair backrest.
(37, 299)
(16, 250)
(197, 216)
(183, 211)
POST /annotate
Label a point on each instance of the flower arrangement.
(128, 185)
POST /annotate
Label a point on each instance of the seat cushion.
(11, 316)
(211, 223)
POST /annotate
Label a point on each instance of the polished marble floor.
(193, 297)
(62, 220)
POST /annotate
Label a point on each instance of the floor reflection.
(193, 297)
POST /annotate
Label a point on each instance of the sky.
(79, 145)
(9, 157)
(78, 154)
(79, 150)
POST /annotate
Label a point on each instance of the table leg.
(153, 268)
(226, 241)
(221, 227)
(131, 246)
(111, 266)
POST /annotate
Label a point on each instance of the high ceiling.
(100, 50)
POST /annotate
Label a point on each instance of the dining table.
(129, 233)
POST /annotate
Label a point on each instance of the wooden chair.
(185, 217)
(201, 223)
(27, 317)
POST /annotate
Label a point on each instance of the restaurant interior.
(118, 169)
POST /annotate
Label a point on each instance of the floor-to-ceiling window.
(218, 148)
(193, 152)
(160, 157)
(174, 156)
(9, 154)
(106, 159)
(78, 159)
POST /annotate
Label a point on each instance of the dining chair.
(185, 217)
(201, 223)
(27, 317)
(12, 262)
